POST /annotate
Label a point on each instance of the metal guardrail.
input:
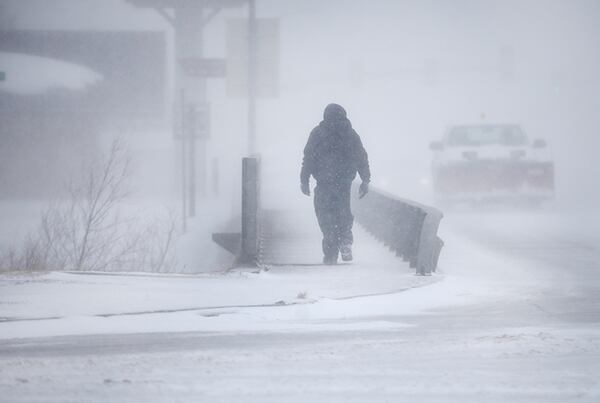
(406, 227)
(246, 245)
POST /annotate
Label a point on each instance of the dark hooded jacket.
(334, 152)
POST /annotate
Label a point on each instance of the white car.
(487, 163)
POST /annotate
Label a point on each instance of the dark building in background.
(44, 137)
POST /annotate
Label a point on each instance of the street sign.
(267, 58)
(195, 121)
(204, 67)
(199, 120)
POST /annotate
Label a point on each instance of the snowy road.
(559, 256)
(515, 318)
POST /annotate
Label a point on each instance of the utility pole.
(189, 44)
(183, 165)
(252, 76)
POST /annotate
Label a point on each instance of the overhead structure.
(167, 7)
(188, 19)
(176, 3)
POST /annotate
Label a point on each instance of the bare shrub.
(151, 247)
(86, 231)
(29, 257)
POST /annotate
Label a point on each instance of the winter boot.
(346, 252)
(330, 260)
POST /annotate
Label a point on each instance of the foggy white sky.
(404, 70)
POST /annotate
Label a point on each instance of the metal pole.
(200, 155)
(215, 177)
(192, 158)
(250, 210)
(252, 76)
(189, 15)
(183, 164)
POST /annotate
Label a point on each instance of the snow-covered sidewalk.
(85, 303)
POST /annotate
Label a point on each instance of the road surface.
(515, 317)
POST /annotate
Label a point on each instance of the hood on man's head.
(334, 112)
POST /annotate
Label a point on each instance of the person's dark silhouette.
(333, 155)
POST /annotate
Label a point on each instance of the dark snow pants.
(332, 206)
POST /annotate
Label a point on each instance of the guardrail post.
(246, 245)
(430, 244)
(250, 211)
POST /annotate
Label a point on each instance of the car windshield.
(483, 135)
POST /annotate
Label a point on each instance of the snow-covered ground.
(90, 303)
(512, 315)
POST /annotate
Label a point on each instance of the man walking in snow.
(333, 155)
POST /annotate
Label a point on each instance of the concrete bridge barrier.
(408, 228)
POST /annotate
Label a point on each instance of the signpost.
(253, 63)
(258, 45)
(251, 70)
(199, 120)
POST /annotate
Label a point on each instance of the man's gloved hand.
(363, 189)
(305, 189)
